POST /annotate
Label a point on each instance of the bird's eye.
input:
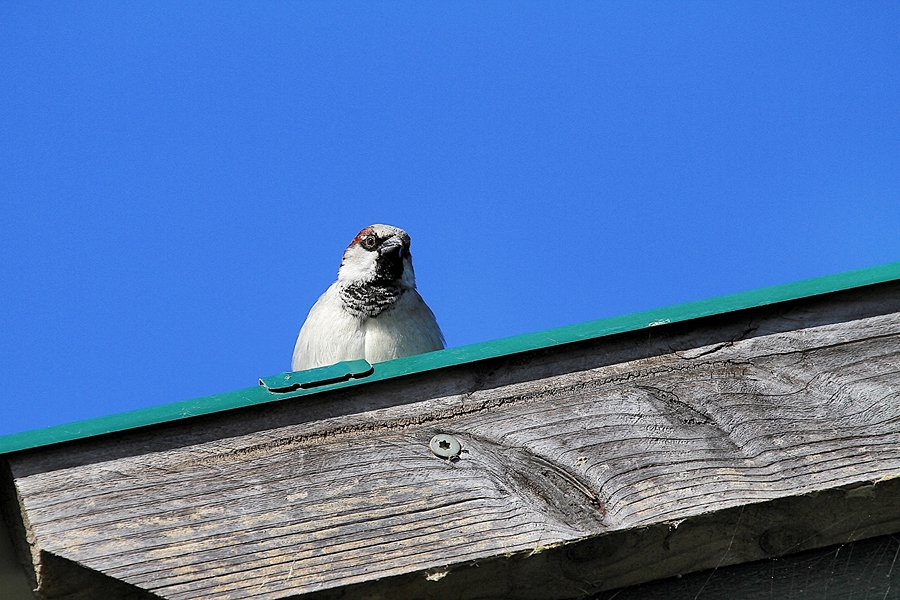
(369, 242)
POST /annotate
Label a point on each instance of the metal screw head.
(445, 446)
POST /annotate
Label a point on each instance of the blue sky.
(178, 180)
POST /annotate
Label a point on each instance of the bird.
(373, 310)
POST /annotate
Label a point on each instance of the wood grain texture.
(584, 468)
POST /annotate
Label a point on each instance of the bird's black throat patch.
(370, 299)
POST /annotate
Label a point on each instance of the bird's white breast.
(409, 327)
(331, 334)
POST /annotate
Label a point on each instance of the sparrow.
(373, 310)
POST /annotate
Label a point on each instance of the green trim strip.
(455, 356)
(292, 381)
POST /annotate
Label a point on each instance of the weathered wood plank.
(622, 559)
(593, 441)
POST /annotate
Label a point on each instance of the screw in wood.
(445, 446)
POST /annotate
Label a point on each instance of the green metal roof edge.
(456, 356)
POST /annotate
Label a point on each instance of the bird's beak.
(392, 247)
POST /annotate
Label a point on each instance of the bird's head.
(378, 254)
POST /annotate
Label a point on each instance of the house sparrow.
(373, 310)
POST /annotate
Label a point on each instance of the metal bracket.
(342, 371)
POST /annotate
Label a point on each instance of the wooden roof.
(592, 457)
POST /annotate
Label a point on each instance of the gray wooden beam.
(585, 467)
